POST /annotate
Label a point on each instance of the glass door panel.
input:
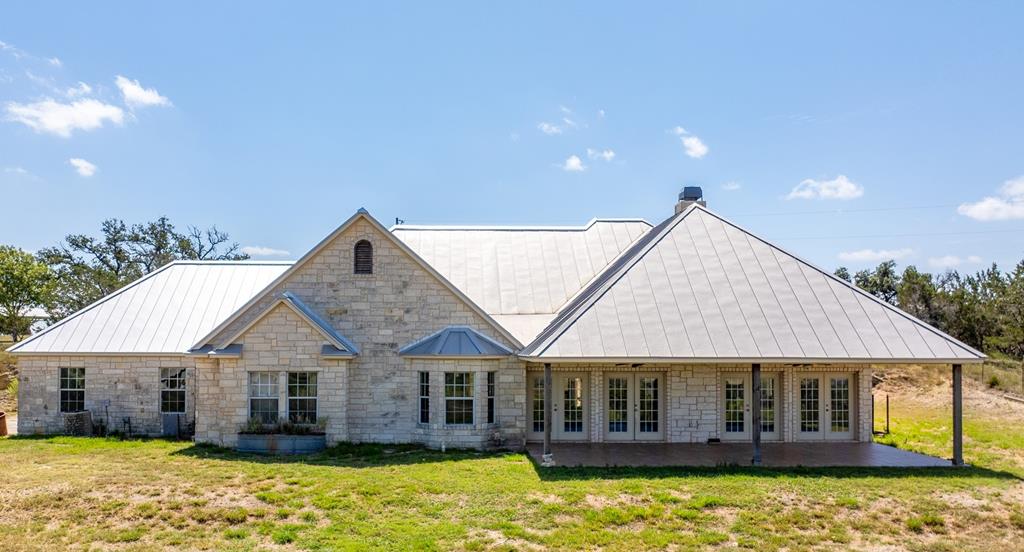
(736, 407)
(840, 407)
(618, 409)
(810, 406)
(648, 407)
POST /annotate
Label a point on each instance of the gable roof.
(521, 275)
(699, 288)
(161, 313)
(361, 214)
(340, 345)
(456, 341)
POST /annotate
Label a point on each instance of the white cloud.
(55, 62)
(604, 155)
(137, 96)
(260, 251)
(731, 186)
(62, 119)
(550, 129)
(875, 255)
(1008, 205)
(570, 123)
(951, 261)
(600, 113)
(692, 145)
(573, 164)
(83, 167)
(81, 89)
(838, 188)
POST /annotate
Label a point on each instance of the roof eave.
(739, 360)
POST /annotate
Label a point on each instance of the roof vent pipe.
(689, 196)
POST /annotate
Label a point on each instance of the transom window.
(172, 390)
(263, 396)
(363, 257)
(458, 398)
(302, 397)
(72, 389)
(490, 397)
(424, 397)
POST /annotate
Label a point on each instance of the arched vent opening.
(363, 257)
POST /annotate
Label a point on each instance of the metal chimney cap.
(691, 193)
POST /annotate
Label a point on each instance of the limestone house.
(690, 331)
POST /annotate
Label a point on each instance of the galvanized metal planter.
(277, 443)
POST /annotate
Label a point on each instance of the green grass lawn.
(82, 493)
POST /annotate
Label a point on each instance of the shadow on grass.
(349, 455)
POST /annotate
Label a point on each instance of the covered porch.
(775, 455)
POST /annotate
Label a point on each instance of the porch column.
(958, 417)
(547, 459)
(755, 412)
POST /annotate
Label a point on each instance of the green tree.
(882, 282)
(916, 295)
(88, 268)
(843, 274)
(25, 283)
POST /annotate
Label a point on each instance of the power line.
(864, 210)
(914, 235)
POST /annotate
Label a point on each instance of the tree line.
(984, 310)
(82, 269)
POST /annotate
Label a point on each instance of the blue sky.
(845, 133)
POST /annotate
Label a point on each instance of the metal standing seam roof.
(162, 312)
(456, 341)
(521, 275)
(698, 287)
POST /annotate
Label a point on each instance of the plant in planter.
(282, 437)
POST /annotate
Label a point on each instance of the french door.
(737, 402)
(634, 406)
(570, 408)
(826, 404)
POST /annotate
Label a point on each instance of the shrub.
(12, 388)
(993, 381)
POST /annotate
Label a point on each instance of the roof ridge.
(604, 281)
(861, 292)
(514, 227)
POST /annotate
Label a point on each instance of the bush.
(12, 388)
(993, 381)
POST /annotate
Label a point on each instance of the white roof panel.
(516, 270)
(697, 287)
(163, 312)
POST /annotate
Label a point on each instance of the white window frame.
(314, 397)
(491, 395)
(61, 379)
(264, 391)
(423, 397)
(468, 394)
(173, 373)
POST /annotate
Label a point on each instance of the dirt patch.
(932, 387)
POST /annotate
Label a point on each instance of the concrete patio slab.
(774, 455)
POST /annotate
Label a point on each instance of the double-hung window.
(72, 389)
(490, 397)
(263, 396)
(172, 390)
(458, 398)
(302, 397)
(424, 395)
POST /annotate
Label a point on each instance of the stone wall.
(116, 387)
(279, 343)
(398, 303)
(694, 397)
